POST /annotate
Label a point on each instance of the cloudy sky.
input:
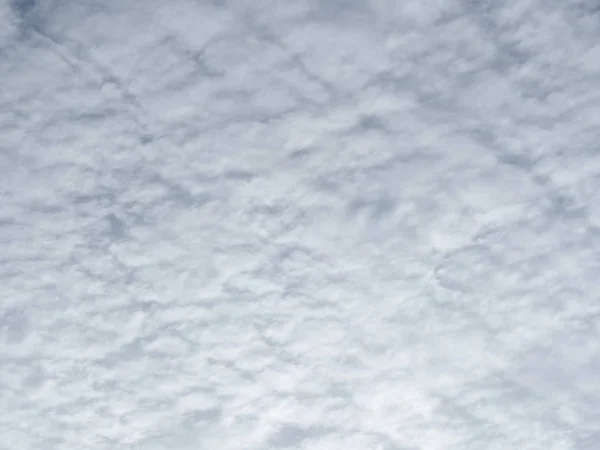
(260, 225)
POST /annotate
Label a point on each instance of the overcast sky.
(264, 225)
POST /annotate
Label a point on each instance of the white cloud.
(255, 226)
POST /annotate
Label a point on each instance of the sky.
(357, 225)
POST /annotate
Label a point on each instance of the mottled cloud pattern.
(299, 225)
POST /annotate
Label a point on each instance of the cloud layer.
(309, 225)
